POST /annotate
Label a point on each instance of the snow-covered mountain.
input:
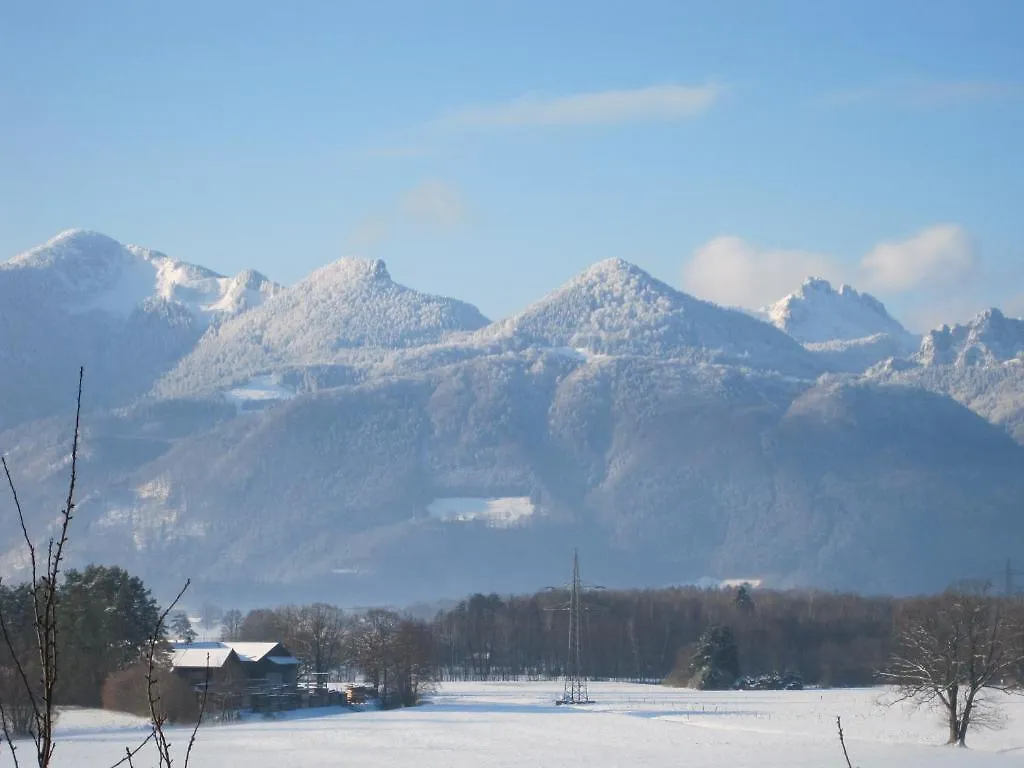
(85, 271)
(616, 308)
(126, 313)
(349, 306)
(306, 437)
(979, 364)
(818, 313)
(846, 330)
(988, 339)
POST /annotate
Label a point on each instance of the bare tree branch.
(7, 735)
(157, 716)
(43, 590)
(130, 753)
(842, 741)
(202, 711)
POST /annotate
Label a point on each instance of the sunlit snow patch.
(258, 393)
(583, 354)
(506, 512)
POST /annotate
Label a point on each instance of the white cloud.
(941, 254)
(731, 271)
(435, 204)
(929, 93)
(431, 208)
(930, 275)
(657, 102)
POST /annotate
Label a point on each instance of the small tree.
(716, 663)
(231, 626)
(743, 600)
(951, 649)
(181, 627)
(210, 615)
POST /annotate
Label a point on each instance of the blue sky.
(492, 150)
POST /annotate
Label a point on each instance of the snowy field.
(487, 725)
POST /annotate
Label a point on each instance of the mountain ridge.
(305, 439)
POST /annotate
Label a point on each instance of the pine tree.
(716, 664)
(181, 627)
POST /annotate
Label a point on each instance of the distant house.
(199, 663)
(270, 662)
(253, 664)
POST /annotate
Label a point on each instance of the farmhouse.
(198, 663)
(269, 662)
(252, 665)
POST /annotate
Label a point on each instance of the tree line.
(643, 635)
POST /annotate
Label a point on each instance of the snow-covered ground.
(516, 724)
(258, 392)
(497, 512)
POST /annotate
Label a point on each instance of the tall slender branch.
(202, 711)
(7, 735)
(44, 604)
(842, 741)
(157, 716)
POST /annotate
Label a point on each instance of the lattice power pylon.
(575, 691)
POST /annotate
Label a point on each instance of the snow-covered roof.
(191, 657)
(257, 651)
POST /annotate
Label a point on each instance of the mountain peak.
(353, 270)
(73, 247)
(817, 313)
(616, 308)
(990, 337)
(818, 285)
(78, 235)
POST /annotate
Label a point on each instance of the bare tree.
(372, 647)
(952, 649)
(43, 587)
(231, 628)
(210, 615)
(318, 634)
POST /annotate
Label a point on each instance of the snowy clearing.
(257, 393)
(490, 725)
(497, 512)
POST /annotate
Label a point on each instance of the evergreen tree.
(744, 600)
(106, 617)
(716, 664)
(181, 627)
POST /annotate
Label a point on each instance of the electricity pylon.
(575, 691)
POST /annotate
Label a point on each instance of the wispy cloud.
(656, 102)
(929, 93)
(432, 208)
(434, 205)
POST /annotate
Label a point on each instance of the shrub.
(126, 691)
(18, 715)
